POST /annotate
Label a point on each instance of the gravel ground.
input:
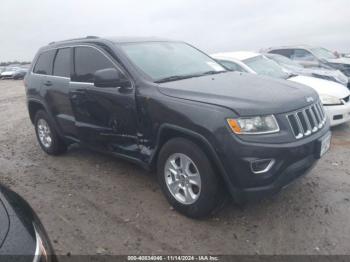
(95, 204)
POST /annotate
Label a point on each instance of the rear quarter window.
(43, 65)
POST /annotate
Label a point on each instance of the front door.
(105, 117)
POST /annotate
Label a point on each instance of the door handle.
(48, 83)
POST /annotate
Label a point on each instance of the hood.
(4, 223)
(322, 86)
(341, 60)
(246, 94)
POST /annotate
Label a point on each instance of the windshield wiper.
(213, 72)
(174, 78)
(179, 77)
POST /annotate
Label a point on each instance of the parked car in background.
(169, 107)
(311, 56)
(295, 68)
(20, 74)
(334, 96)
(2, 68)
(9, 72)
(22, 236)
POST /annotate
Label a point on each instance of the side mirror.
(110, 77)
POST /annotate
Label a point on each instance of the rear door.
(105, 117)
(42, 70)
(58, 91)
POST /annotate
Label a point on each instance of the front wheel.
(187, 179)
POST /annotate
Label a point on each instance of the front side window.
(43, 65)
(163, 61)
(302, 55)
(264, 66)
(61, 65)
(87, 61)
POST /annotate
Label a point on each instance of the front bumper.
(292, 160)
(291, 173)
(338, 114)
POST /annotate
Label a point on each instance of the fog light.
(261, 165)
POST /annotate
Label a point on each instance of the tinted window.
(44, 63)
(301, 54)
(61, 66)
(284, 52)
(87, 61)
(231, 66)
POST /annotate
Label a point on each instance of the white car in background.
(9, 72)
(334, 96)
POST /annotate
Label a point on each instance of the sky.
(213, 26)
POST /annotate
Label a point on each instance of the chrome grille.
(308, 120)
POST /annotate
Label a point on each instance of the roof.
(120, 39)
(304, 46)
(129, 39)
(240, 55)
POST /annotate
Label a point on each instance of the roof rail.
(81, 38)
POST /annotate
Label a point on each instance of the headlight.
(330, 100)
(254, 125)
(40, 250)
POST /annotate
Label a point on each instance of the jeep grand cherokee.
(167, 106)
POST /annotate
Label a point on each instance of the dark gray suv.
(169, 107)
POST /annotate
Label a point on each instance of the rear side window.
(61, 65)
(285, 52)
(87, 61)
(43, 65)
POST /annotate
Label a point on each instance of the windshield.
(263, 66)
(323, 53)
(284, 61)
(166, 61)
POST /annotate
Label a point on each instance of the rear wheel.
(47, 136)
(187, 178)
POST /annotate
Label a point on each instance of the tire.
(204, 195)
(52, 144)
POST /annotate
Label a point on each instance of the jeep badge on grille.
(309, 99)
